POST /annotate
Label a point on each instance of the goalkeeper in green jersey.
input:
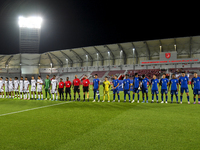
(47, 84)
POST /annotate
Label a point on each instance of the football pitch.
(36, 124)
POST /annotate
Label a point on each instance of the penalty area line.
(16, 112)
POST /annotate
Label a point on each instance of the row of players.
(51, 86)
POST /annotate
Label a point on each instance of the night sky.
(80, 23)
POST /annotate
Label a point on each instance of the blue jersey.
(174, 83)
(136, 82)
(196, 82)
(144, 83)
(126, 83)
(164, 83)
(184, 81)
(115, 83)
(154, 83)
(96, 83)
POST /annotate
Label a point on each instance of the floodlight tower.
(29, 34)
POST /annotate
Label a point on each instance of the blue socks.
(199, 99)
(138, 96)
(188, 98)
(166, 98)
(133, 96)
(181, 98)
(172, 97)
(114, 97)
(162, 98)
(118, 97)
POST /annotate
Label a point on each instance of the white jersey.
(16, 84)
(10, 85)
(21, 84)
(39, 83)
(33, 83)
(26, 84)
(1, 83)
(6, 84)
(54, 83)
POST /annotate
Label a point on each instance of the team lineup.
(19, 89)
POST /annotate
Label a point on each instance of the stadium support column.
(86, 56)
(98, 61)
(109, 59)
(121, 53)
(67, 62)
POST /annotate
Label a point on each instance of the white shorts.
(21, 90)
(26, 91)
(54, 91)
(1, 90)
(6, 90)
(16, 89)
(39, 90)
(10, 89)
(33, 89)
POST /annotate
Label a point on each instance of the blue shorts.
(196, 91)
(96, 91)
(115, 91)
(126, 92)
(154, 91)
(135, 90)
(144, 90)
(174, 92)
(184, 89)
(164, 91)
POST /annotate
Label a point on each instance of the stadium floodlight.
(133, 49)
(97, 53)
(39, 64)
(51, 64)
(30, 22)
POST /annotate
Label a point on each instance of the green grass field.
(34, 124)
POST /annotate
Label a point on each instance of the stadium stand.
(54, 62)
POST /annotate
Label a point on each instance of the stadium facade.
(120, 56)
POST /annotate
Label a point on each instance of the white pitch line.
(32, 109)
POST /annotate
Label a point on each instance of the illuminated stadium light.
(133, 49)
(30, 22)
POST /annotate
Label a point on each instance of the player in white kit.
(11, 87)
(21, 86)
(26, 89)
(33, 87)
(54, 86)
(6, 87)
(16, 88)
(1, 87)
(39, 88)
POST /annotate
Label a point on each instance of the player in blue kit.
(195, 84)
(126, 87)
(136, 85)
(96, 84)
(164, 83)
(144, 81)
(174, 88)
(184, 81)
(115, 88)
(154, 88)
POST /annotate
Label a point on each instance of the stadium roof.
(185, 46)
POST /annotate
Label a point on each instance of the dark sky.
(77, 23)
